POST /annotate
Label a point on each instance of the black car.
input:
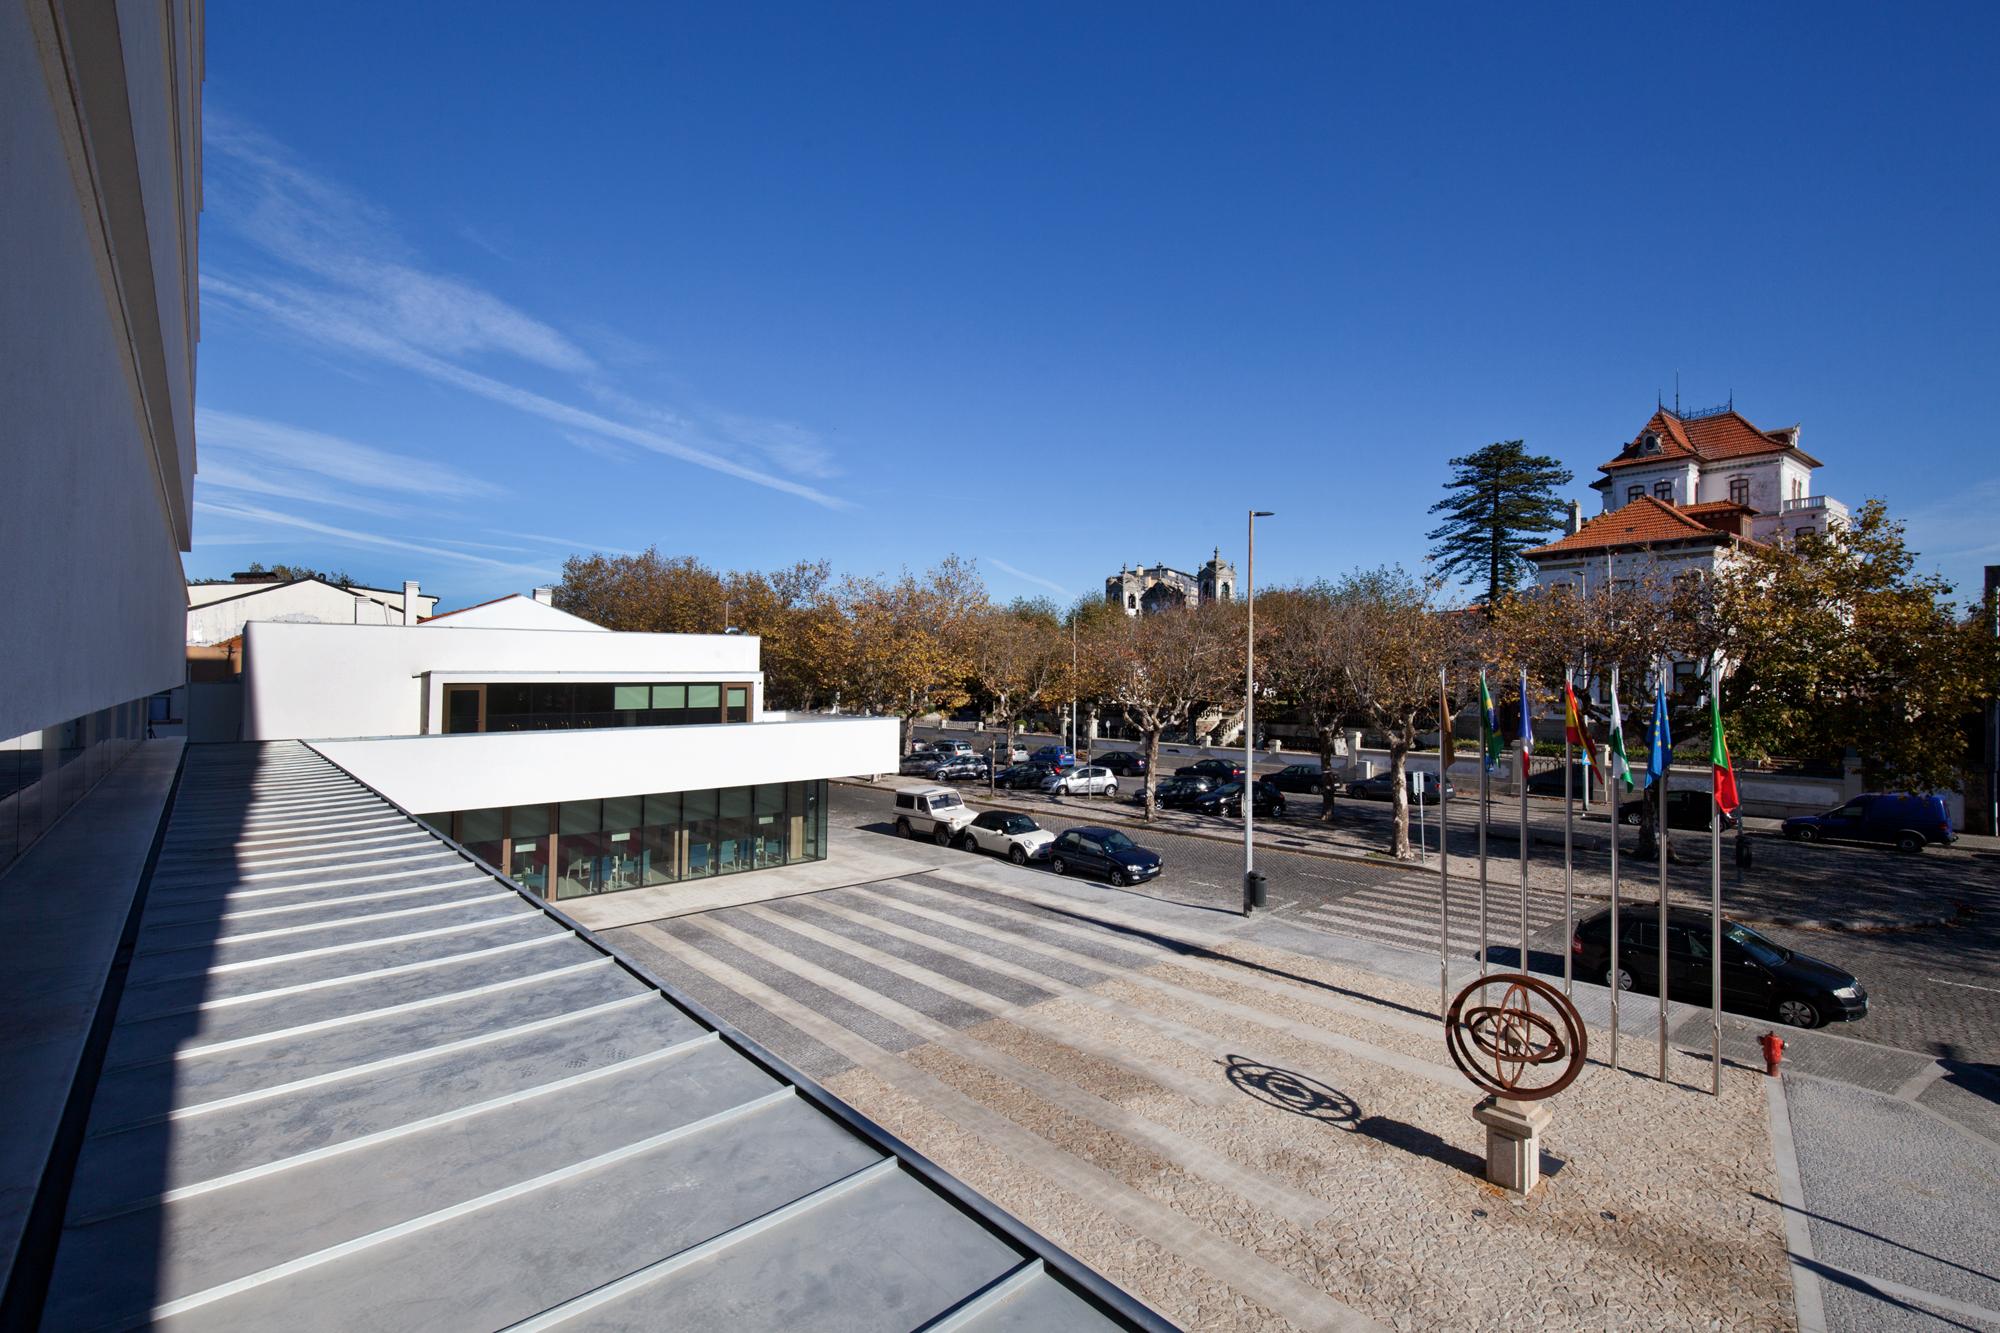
(1103, 851)
(1759, 977)
(1122, 762)
(1228, 800)
(1021, 777)
(1380, 788)
(1685, 809)
(1220, 770)
(1178, 793)
(1306, 779)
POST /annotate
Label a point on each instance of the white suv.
(1006, 833)
(937, 813)
(1092, 781)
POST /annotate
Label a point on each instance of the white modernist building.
(575, 759)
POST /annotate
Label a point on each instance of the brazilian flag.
(1490, 744)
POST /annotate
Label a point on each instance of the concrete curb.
(1792, 1196)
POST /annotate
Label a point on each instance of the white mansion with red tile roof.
(1685, 493)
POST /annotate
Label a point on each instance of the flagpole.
(1486, 729)
(1444, 852)
(1527, 745)
(1666, 764)
(1715, 886)
(1611, 779)
(1569, 908)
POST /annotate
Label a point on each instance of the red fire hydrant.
(1774, 1052)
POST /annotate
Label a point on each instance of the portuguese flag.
(1489, 727)
(1726, 799)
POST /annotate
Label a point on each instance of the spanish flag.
(1573, 727)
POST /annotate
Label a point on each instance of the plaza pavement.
(1248, 1125)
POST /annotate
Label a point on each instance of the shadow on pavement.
(1301, 1095)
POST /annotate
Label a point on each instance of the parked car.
(1228, 800)
(1688, 809)
(1087, 781)
(950, 746)
(1176, 793)
(1759, 976)
(1380, 788)
(1103, 851)
(937, 813)
(922, 763)
(1909, 823)
(963, 768)
(1221, 770)
(1305, 779)
(1124, 763)
(1005, 833)
(1012, 751)
(1021, 777)
(1054, 756)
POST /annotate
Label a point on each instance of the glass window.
(1664, 489)
(581, 817)
(670, 696)
(659, 854)
(1739, 490)
(708, 697)
(582, 854)
(481, 833)
(528, 847)
(698, 811)
(768, 846)
(1633, 492)
(623, 844)
(739, 704)
(625, 697)
(735, 831)
(509, 707)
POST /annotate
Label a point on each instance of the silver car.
(1092, 781)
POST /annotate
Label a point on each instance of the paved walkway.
(1240, 1122)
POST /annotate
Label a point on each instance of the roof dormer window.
(1649, 443)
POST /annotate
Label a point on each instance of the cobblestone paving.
(1127, 1080)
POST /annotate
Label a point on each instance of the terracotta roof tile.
(1644, 522)
(1705, 439)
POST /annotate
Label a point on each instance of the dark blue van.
(1910, 823)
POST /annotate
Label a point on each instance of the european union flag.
(1661, 739)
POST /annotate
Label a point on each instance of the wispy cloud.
(372, 540)
(1026, 577)
(575, 544)
(293, 461)
(338, 275)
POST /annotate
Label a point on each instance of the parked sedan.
(1124, 763)
(1103, 851)
(1005, 833)
(1759, 976)
(1054, 756)
(923, 764)
(1089, 781)
(1685, 809)
(1176, 793)
(1220, 770)
(1306, 779)
(1228, 800)
(1381, 788)
(1021, 777)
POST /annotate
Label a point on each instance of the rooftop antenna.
(1677, 393)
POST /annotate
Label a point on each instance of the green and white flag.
(1620, 767)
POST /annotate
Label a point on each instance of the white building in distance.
(574, 759)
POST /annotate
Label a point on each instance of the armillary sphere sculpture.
(1515, 1037)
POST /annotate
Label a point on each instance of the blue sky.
(1062, 289)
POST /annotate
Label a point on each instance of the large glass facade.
(45, 772)
(583, 705)
(575, 848)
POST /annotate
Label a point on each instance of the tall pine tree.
(1499, 502)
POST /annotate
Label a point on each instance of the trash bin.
(1253, 891)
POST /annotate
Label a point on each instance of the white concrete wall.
(97, 255)
(429, 774)
(201, 594)
(312, 681)
(1682, 474)
(315, 603)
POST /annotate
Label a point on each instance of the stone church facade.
(1144, 589)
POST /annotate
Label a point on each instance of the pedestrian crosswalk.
(1404, 912)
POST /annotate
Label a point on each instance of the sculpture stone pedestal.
(1513, 1141)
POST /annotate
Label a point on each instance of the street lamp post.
(1251, 896)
